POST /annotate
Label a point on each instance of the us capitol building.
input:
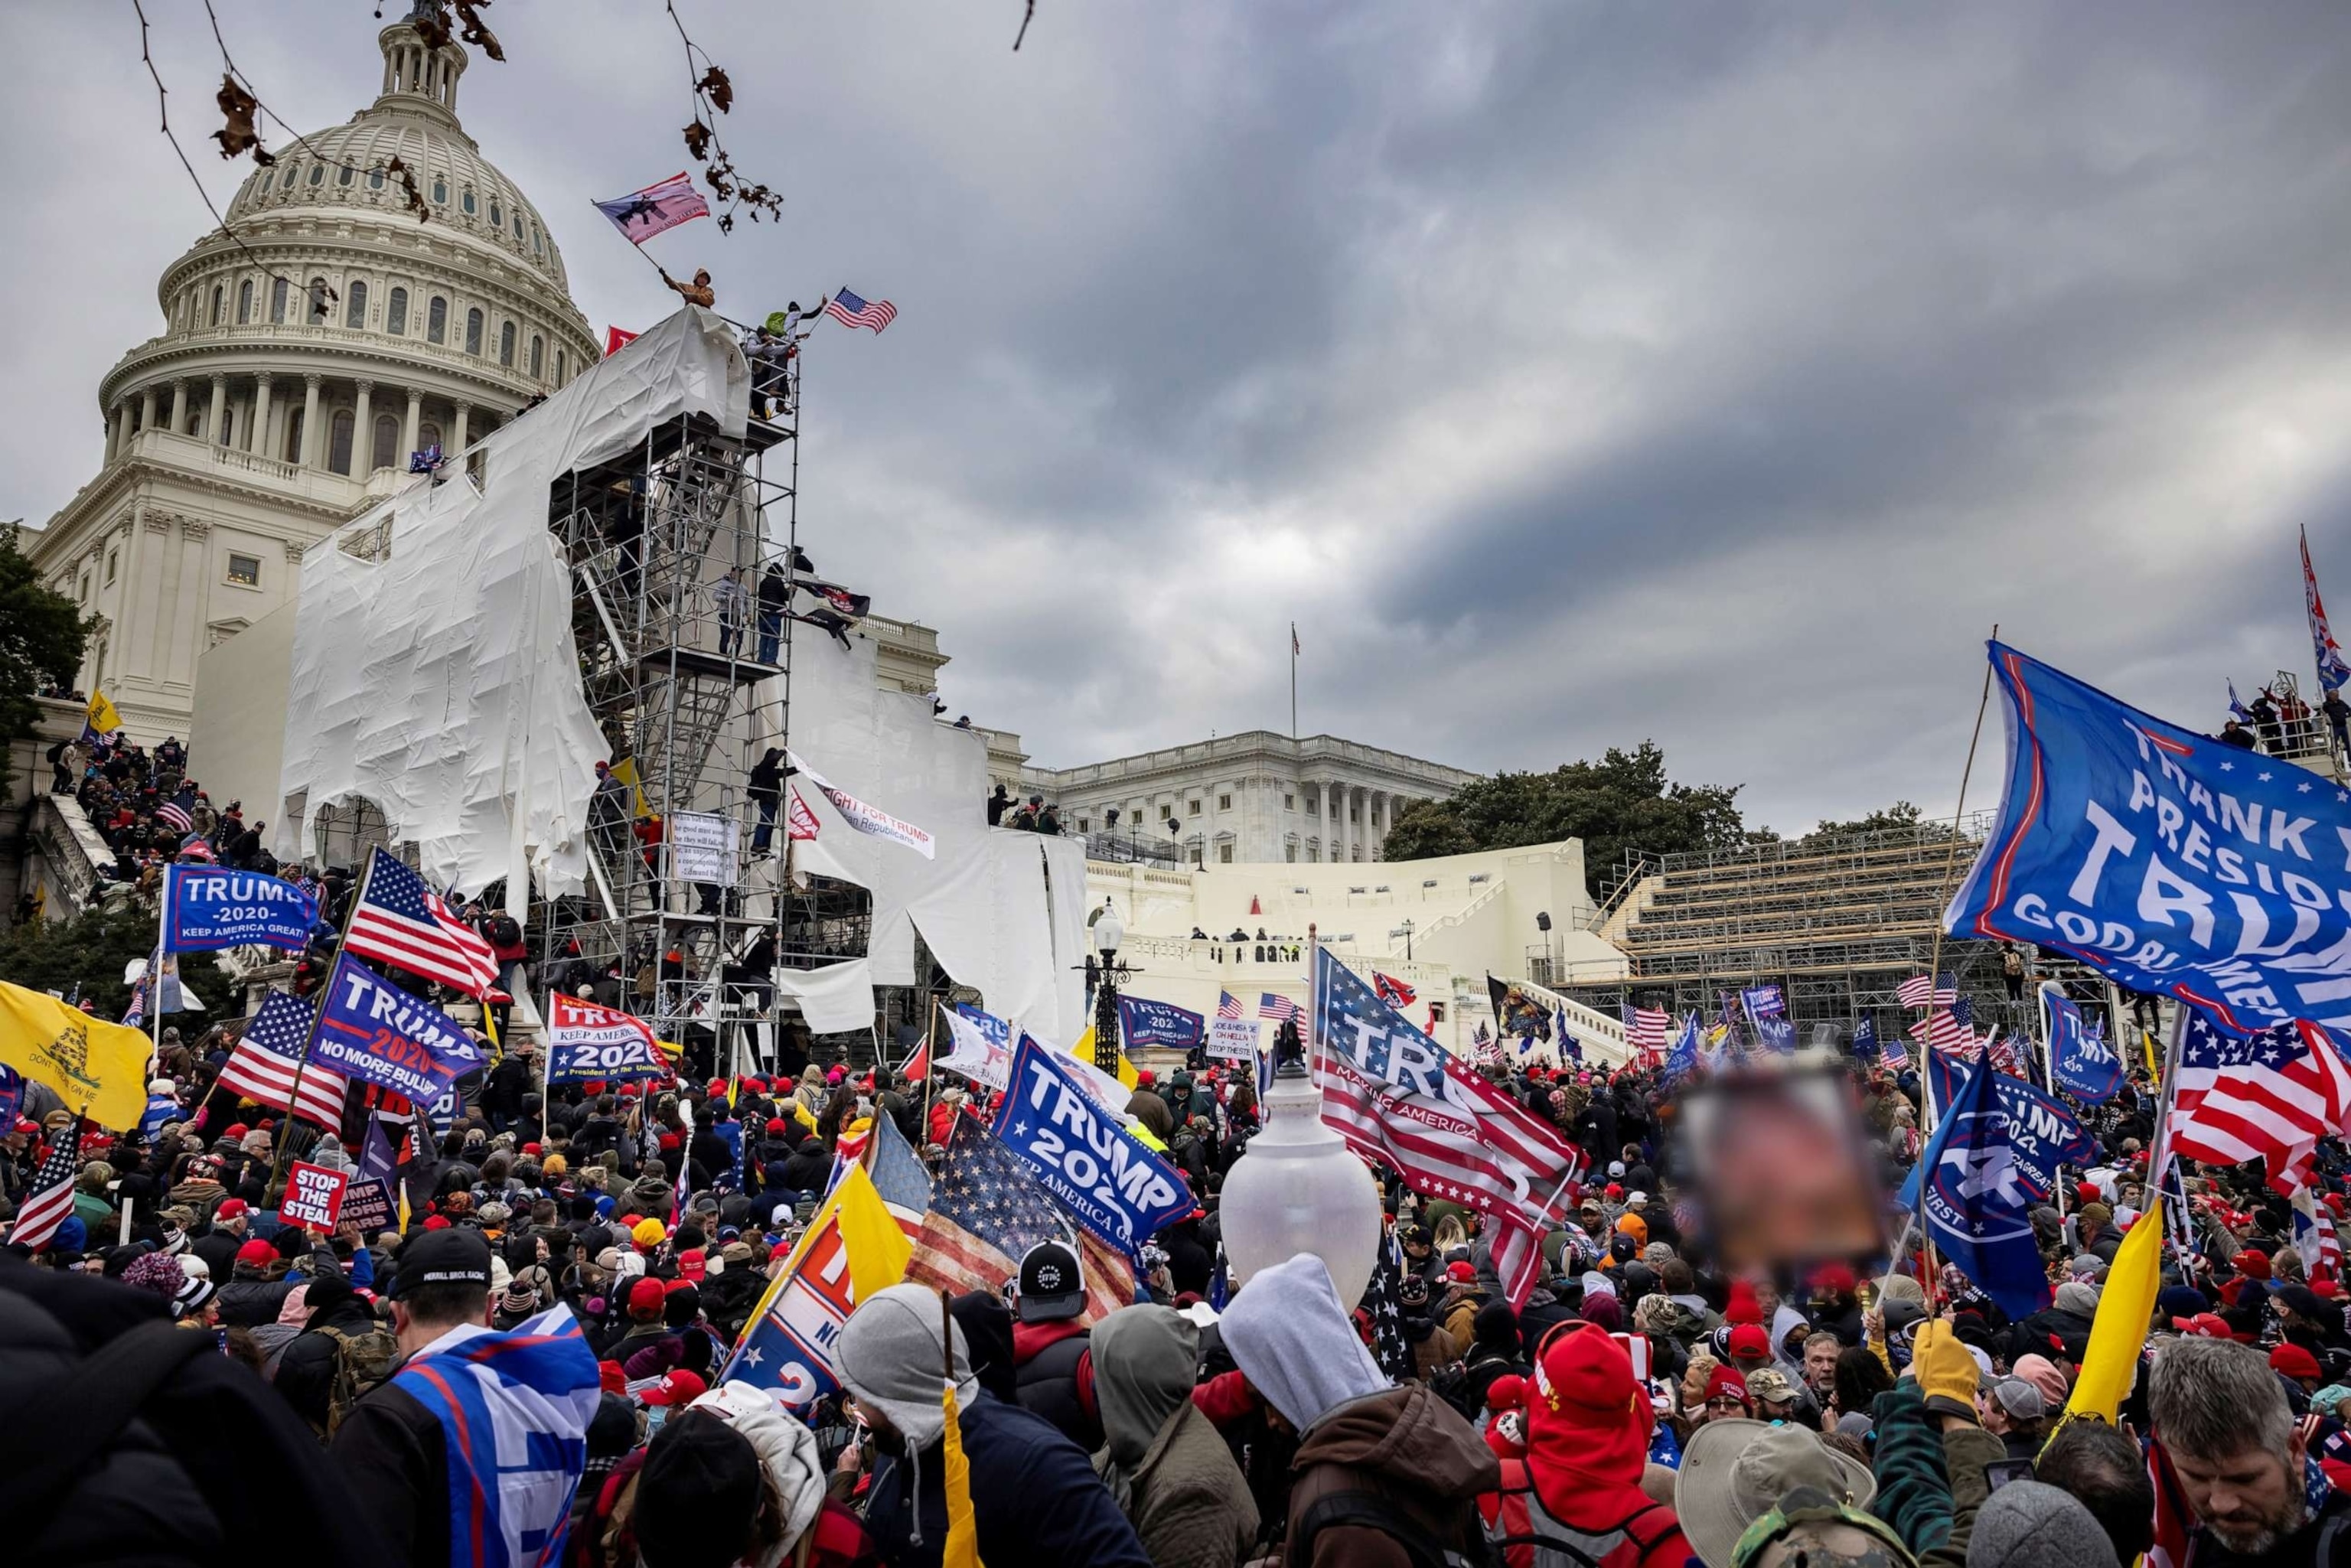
(296, 373)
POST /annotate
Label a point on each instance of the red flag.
(1392, 991)
(917, 1067)
(615, 341)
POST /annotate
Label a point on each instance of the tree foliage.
(1901, 816)
(41, 634)
(93, 950)
(1623, 802)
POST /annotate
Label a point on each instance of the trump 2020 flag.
(374, 1031)
(2041, 1134)
(1973, 1205)
(207, 907)
(656, 209)
(2174, 863)
(2084, 1065)
(1100, 1172)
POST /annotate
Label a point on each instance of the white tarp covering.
(835, 999)
(443, 684)
(1002, 912)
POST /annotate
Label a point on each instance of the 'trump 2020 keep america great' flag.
(2173, 863)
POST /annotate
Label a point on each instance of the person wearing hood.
(1035, 1498)
(1163, 1460)
(734, 1480)
(1377, 1466)
(1588, 1423)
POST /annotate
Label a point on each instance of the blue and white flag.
(1763, 1001)
(1106, 1176)
(2043, 1134)
(2176, 864)
(1146, 1022)
(207, 907)
(163, 1106)
(1776, 1034)
(1974, 1204)
(1570, 1047)
(514, 1409)
(1682, 1061)
(2083, 1063)
(2238, 710)
(1865, 1039)
(376, 1032)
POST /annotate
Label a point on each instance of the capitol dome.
(345, 332)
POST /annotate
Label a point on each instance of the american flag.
(48, 1203)
(987, 1211)
(2315, 1238)
(1280, 1010)
(1645, 1029)
(180, 810)
(851, 312)
(398, 920)
(136, 1013)
(1950, 1029)
(2270, 1095)
(1392, 991)
(263, 1066)
(1891, 1051)
(1229, 1006)
(2013, 1056)
(1917, 992)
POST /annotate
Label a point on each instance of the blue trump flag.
(1106, 1176)
(1146, 1022)
(2042, 1132)
(2174, 864)
(1570, 1047)
(1975, 1206)
(374, 1031)
(2083, 1063)
(1865, 1039)
(207, 907)
(1682, 1061)
(999, 1032)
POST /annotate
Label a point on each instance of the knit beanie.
(2026, 1524)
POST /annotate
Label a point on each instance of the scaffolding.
(1837, 921)
(690, 905)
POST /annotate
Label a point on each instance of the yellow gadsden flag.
(101, 714)
(87, 1061)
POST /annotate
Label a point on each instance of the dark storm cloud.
(1571, 373)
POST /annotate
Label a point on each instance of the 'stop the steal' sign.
(375, 1031)
(314, 1197)
(2176, 863)
(207, 907)
(1100, 1172)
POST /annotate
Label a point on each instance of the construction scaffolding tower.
(690, 910)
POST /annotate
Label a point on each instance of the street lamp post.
(1107, 932)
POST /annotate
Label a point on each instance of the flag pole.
(2049, 1076)
(1935, 957)
(1293, 680)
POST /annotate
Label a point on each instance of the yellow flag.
(87, 1061)
(1127, 1079)
(101, 714)
(961, 1547)
(1084, 1052)
(625, 770)
(2118, 1333)
(2154, 1071)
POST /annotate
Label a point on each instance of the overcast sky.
(1569, 373)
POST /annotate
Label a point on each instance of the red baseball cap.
(2292, 1361)
(230, 1208)
(1461, 1271)
(647, 1295)
(679, 1387)
(1749, 1340)
(2204, 1326)
(256, 1252)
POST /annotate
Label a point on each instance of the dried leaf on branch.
(432, 24)
(237, 134)
(407, 178)
(720, 91)
(469, 13)
(698, 142)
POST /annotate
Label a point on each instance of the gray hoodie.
(890, 1359)
(1293, 1342)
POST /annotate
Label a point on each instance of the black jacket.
(306, 1371)
(1048, 1386)
(394, 1462)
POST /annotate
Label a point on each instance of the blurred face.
(1767, 1296)
(2252, 1500)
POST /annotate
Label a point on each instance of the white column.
(118, 430)
(312, 455)
(257, 430)
(457, 431)
(219, 408)
(362, 435)
(415, 423)
(1322, 815)
(147, 409)
(179, 407)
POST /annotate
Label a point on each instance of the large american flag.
(1229, 1006)
(1950, 1029)
(987, 1211)
(2270, 1095)
(1645, 1029)
(398, 920)
(851, 312)
(1917, 991)
(263, 1066)
(179, 811)
(49, 1202)
(1280, 1010)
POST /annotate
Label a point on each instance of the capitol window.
(517, 229)
(375, 179)
(217, 305)
(339, 441)
(245, 302)
(1224, 802)
(244, 570)
(436, 321)
(111, 557)
(537, 355)
(287, 182)
(468, 202)
(344, 178)
(538, 246)
(387, 441)
(318, 174)
(395, 313)
(505, 345)
(440, 191)
(474, 331)
(1289, 802)
(318, 301)
(278, 302)
(497, 216)
(355, 311)
(558, 366)
(1195, 811)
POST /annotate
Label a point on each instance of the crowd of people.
(1644, 1404)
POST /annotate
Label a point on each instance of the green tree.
(93, 950)
(1623, 801)
(1900, 816)
(41, 634)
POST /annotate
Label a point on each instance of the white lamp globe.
(1298, 1188)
